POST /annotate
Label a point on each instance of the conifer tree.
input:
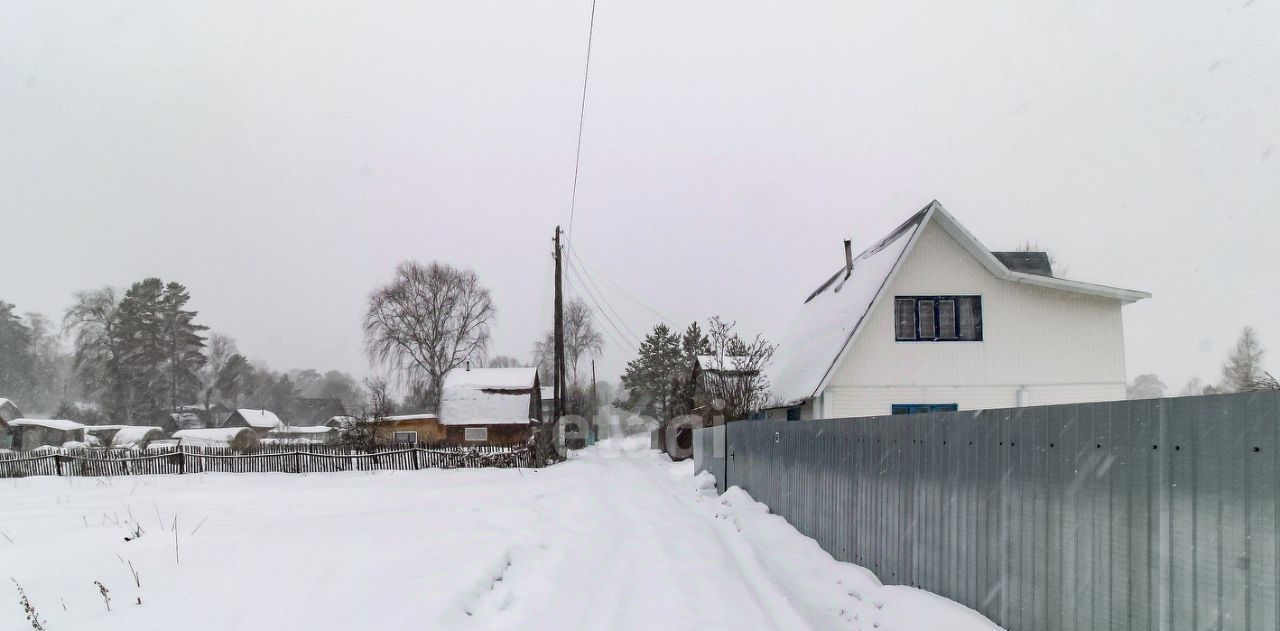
(184, 346)
(652, 379)
(1243, 367)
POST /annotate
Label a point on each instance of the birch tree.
(428, 320)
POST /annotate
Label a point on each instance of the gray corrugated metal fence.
(1156, 514)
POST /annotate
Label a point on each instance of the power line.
(582, 273)
(623, 331)
(583, 265)
(582, 117)
(625, 343)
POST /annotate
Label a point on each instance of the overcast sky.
(279, 158)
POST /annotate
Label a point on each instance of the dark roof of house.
(1026, 262)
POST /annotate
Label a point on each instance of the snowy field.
(616, 538)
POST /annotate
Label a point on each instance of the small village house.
(260, 421)
(927, 319)
(490, 406)
(30, 433)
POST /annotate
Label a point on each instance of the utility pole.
(558, 342)
(592, 427)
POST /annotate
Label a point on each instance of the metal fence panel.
(1157, 514)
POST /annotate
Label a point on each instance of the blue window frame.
(923, 408)
(937, 318)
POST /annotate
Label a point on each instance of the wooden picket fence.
(268, 459)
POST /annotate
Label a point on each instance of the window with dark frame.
(938, 318)
(475, 434)
(405, 437)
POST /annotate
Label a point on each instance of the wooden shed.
(34, 432)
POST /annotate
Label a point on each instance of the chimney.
(848, 257)
(468, 365)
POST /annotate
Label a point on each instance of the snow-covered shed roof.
(133, 436)
(488, 396)
(8, 411)
(212, 437)
(340, 421)
(304, 429)
(98, 429)
(261, 419)
(833, 314)
(60, 425)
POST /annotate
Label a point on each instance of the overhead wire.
(582, 117)
(626, 294)
(620, 339)
(623, 331)
(581, 271)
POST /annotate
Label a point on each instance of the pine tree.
(142, 352)
(1243, 367)
(16, 360)
(652, 379)
(692, 344)
(184, 347)
(235, 379)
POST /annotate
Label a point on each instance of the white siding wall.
(1060, 347)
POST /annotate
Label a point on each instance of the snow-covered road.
(616, 538)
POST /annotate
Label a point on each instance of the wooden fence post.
(57, 462)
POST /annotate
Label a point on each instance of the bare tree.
(220, 349)
(361, 431)
(504, 361)
(427, 321)
(734, 383)
(581, 341)
(93, 319)
(1243, 367)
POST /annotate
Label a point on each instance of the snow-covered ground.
(616, 538)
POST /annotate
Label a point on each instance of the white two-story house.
(929, 320)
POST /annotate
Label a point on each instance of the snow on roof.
(827, 320)
(130, 436)
(261, 419)
(487, 396)
(214, 437)
(301, 429)
(94, 429)
(728, 363)
(492, 378)
(62, 426)
(410, 417)
(548, 393)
